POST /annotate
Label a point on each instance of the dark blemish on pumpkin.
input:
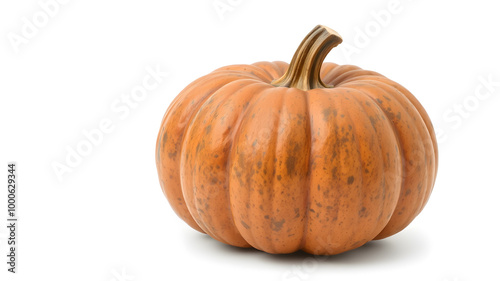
(178, 198)
(266, 217)
(326, 113)
(398, 115)
(265, 171)
(319, 204)
(319, 187)
(218, 167)
(350, 180)
(344, 140)
(279, 177)
(261, 191)
(367, 171)
(245, 225)
(201, 211)
(259, 164)
(334, 154)
(290, 164)
(277, 225)
(379, 100)
(297, 212)
(312, 210)
(408, 192)
(342, 115)
(172, 155)
(296, 148)
(170, 177)
(202, 187)
(419, 187)
(253, 115)
(373, 121)
(208, 129)
(247, 206)
(216, 156)
(198, 148)
(410, 162)
(363, 212)
(334, 172)
(275, 160)
(214, 180)
(329, 207)
(387, 98)
(261, 207)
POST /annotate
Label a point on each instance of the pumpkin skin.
(282, 169)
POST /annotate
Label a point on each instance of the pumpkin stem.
(305, 67)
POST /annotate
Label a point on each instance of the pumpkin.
(309, 156)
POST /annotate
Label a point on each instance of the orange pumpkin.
(315, 157)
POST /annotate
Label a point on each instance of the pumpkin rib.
(173, 193)
(323, 224)
(360, 159)
(235, 135)
(268, 225)
(425, 118)
(427, 134)
(429, 179)
(189, 127)
(206, 104)
(402, 223)
(400, 150)
(194, 112)
(389, 123)
(289, 164)
(379, 144)
(382, 202)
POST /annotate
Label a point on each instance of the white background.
(107, 219)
